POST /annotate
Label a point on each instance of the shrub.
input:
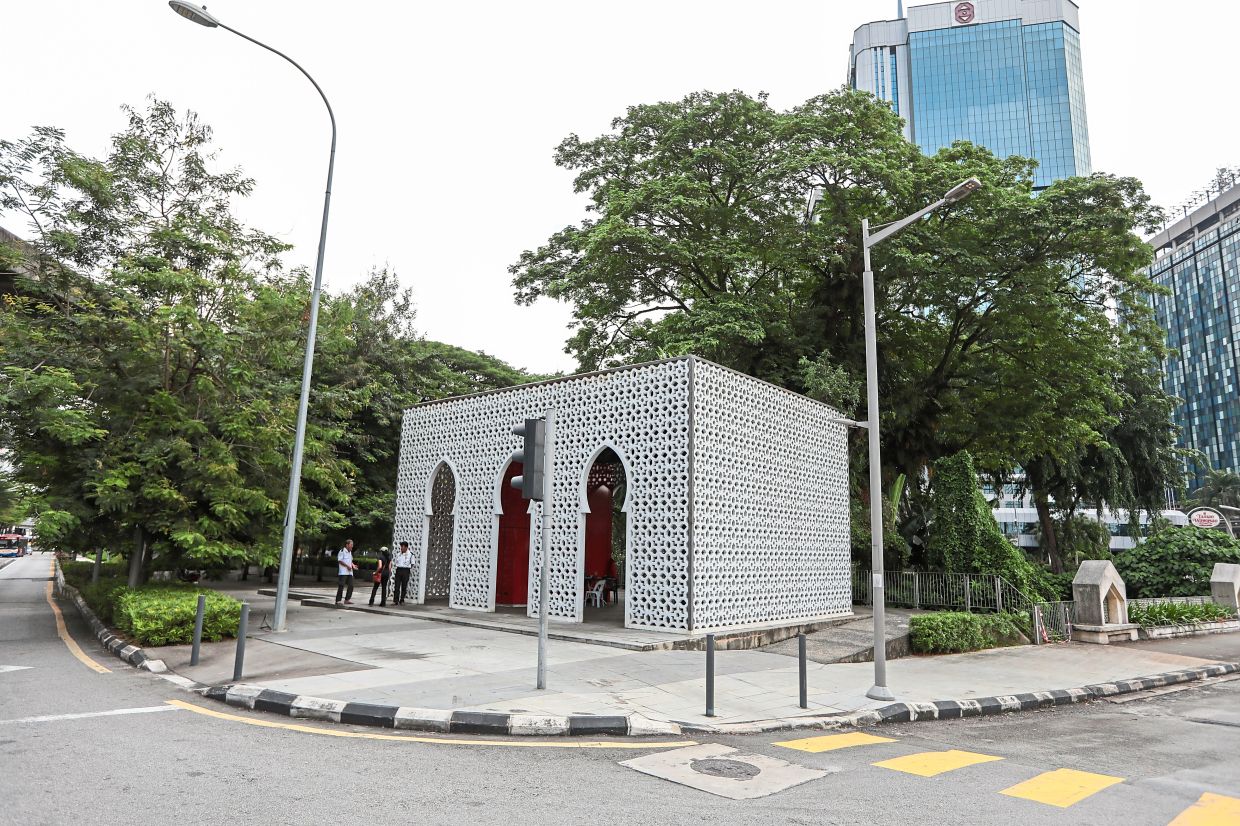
(964, 537)
(78, 574)
(164, 615)
(1174, 613)
(1176, 562)
(949, 632)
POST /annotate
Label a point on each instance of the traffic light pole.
(545, 546)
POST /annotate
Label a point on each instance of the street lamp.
(958, 193)
(199, 15)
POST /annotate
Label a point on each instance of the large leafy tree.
(151, 354)
(146, 386)
(996, 317)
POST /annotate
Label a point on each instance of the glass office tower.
(1199, 263)
(1005, 74)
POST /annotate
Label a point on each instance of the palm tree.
(1221, 487)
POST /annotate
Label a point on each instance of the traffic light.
(531, 456)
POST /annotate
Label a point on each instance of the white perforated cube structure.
(736, 498)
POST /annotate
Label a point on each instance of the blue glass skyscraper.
(1004, 74)
(1199, 263)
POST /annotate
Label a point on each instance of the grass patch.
(1175, 613)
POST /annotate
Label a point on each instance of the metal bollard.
(202, 610)
(804, 681)
(241, 627)
(710, 675)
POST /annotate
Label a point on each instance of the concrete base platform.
(602, 627)
(1105, 634)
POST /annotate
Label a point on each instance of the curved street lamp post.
(199, 15)
(880, 691)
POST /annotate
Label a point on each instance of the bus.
(15, 540)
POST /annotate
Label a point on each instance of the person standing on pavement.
(344, 572)
(382, 574)
(404, 565)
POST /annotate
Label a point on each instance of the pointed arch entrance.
(512, 557)
(440, 533)
(604, 535)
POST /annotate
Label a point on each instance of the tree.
(152, 358)
(963, 535)
(1176, 562)
(994, 315)
(1221, 487)
(147, 391)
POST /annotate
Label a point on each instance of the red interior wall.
(598, 532)
(513, 563)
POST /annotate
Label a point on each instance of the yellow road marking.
(442, 741)
(931, 763)
(1210, 810)
(831, 742)
(74, 648)
(1061, 787)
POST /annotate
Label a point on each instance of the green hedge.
(1174, 613)
(165, 615)
(950, 632)
(158, 613)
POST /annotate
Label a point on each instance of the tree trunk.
(135, 558)
(94, 572)
(1050, 542)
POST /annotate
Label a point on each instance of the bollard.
(202, 610)
(710, 675)
(804, 681)
(245, 620)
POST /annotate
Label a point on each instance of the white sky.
(449, 112)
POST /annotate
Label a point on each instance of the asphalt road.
(138, 766)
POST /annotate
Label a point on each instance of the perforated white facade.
(736, 502)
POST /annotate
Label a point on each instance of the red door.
(598, 532)
(512, 570)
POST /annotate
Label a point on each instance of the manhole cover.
(730, 769)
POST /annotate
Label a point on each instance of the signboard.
(1210, 518)
(963, 14)
(1205, 518)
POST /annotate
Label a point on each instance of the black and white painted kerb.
(978, 707)
(634, 725)
(438, 720)
(131, 654)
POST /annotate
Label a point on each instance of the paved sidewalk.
(367, 658)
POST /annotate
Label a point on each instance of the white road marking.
(47, 718)
(4, 668)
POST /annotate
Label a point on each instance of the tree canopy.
(152, 350)
(1014, 325)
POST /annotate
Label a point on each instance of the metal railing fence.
(974, 593)
(1052, 621)
(936, 589)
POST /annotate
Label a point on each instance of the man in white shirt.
(404, 564)
(344, 573)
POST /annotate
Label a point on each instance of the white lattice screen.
(768, 477)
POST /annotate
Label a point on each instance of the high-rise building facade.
(1004, 74)
(1198, 261)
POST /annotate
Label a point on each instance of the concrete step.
(851, 641)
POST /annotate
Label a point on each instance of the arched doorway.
(440, 533)
(604, 535)
(512, 560)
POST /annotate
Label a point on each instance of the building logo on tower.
(964, 13)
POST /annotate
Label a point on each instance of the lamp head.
(962, 190)
(196, 13)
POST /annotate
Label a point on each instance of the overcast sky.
(448, 112)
